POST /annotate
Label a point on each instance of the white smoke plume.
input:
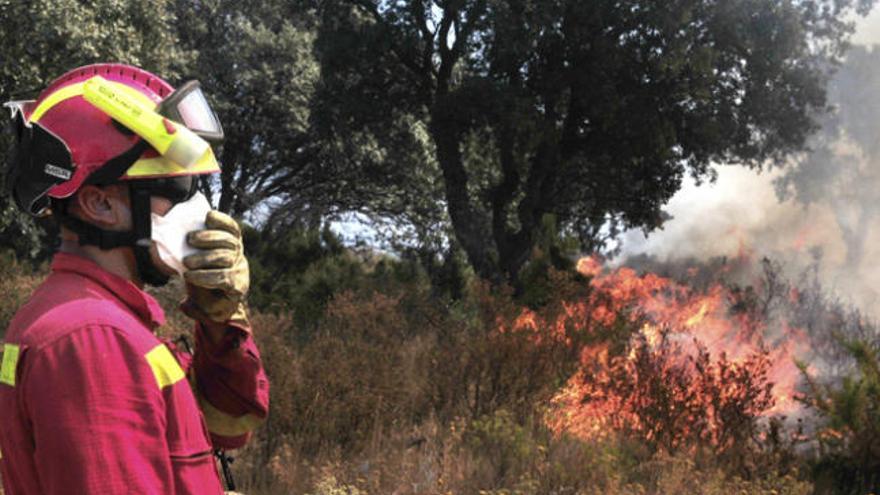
(740, 213)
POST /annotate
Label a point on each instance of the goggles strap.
(139, 238)
(116, 166)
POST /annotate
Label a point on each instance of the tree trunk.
(471, 228)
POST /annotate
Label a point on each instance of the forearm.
(230, 382)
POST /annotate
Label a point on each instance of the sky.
(740, 212)
(868, 29)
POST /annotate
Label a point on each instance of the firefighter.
(91, 400)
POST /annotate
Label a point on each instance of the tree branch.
(373, 10)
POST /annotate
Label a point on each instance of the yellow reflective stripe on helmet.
(165, 368)
(55, 98)
(220, 423)
(10, 364)
(162, 167)
(77, 89)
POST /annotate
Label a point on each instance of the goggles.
(188, 105)
(175, 189)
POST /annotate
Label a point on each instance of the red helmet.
(65, 141)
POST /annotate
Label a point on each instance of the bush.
(360, 375)
(17, 282)
(848, 433)
(492, 355)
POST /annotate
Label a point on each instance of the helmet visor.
(189, 106)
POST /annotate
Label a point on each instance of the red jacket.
(91, 402)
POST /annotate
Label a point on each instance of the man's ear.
(103, 206)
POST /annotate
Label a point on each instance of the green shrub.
(500, 440)
(848, 434)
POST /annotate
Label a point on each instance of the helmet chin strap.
(142, 227)
(139, 238)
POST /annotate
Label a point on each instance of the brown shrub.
(360, 375)
(17, 282)
(488, 359)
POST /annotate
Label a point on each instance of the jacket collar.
(144, 305)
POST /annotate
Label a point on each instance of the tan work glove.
(218, 278)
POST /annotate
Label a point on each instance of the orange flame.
(709, 356)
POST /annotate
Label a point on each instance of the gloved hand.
(217, 278)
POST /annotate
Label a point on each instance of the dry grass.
(393, 394)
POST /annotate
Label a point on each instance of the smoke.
(822, 208)
(741, 214)
(740, 211)
(868, 29)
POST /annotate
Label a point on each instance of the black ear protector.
(39, 161)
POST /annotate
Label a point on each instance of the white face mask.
(169, 231)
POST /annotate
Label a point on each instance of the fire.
(698, 361)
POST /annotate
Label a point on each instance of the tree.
(256, 65)
(840, 167)
(588, 111)
(39, 41)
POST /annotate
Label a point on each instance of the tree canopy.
(256, 63)
(471, 125)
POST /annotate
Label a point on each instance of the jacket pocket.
(195, 474)
(192, 459)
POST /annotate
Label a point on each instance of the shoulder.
(66, 304)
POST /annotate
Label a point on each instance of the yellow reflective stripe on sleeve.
(10, 363)
(220, 423)
(165, 368)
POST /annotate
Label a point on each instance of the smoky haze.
(823, 205)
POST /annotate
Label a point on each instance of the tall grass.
(390, 390)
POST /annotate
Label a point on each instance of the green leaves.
(256, 64)
(849, 413)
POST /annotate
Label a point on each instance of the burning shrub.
(493, 355)
(687, 370)
(670, 399)
(624, 383)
